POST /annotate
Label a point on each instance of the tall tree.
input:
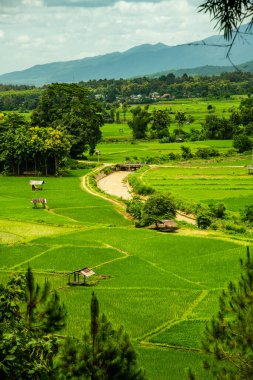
(160, 123)
(157, 207)
(105, 354)
(72, 107)
(29, 315)
(139, 123)
(229, 337)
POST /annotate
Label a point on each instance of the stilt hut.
(167, 225)
(36, 185)
(78, 277)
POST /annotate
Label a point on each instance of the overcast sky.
(40, 31)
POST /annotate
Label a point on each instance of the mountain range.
(141, 60)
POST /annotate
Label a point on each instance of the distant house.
(167, 225)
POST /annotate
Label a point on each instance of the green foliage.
(228, 338)
(217, 128)
(160, 123)
(139, 123)
(218, 210)
(157, 207)
(186, 152)
(138, 186)
(28, 317)
(24, 148)
(106, 354)
(247, 214)
(242, 143)
(204, 219)
(228, 15)
(134, 207)
(71, 106)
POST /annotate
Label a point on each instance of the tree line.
(65, 123)
(25, 98)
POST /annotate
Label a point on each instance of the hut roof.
(33, 182)
(87, 272)
(168, 223)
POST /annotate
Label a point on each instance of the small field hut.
(250, 169)
(167, 225)
(36, 185)
(78, 277)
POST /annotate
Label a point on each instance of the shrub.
(204, 219)
(242, 143)
(247, 214)
(157, 207)
(218, 210)
(134, 207)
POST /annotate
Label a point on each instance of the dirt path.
(113, 184)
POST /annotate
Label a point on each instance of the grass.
(229, 185)
(156, 281)
(161, 287)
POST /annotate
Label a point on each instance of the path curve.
(113, 184)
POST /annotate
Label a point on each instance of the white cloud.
(58, 33)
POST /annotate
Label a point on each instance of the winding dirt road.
(114, 184)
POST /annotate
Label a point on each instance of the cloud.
(91, 3)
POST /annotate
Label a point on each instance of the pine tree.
(229, 337)
(105, 354)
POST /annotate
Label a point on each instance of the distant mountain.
(206, 70)
(138, 61)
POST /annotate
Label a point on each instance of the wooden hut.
(36, 185)
(39, 201)
(250, 169)
(167, 225)
(78, 277)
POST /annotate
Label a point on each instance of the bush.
(247, 214)
(204, 219)
(218, 210)
(134, 207)
(242, 143)
(157, 207)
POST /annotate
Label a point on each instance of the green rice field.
(162, 288)
(229, 184)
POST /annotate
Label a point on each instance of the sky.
(40, 31)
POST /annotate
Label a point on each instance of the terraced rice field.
(228, 184)
(162, 287)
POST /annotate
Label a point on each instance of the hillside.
(138, 61)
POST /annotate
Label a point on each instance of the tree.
(29, 316)
(242, 143)
(247, 214)
(160, 123)
(71, 106)
(186, 152)
(105, 354)
(229, 336)
(139, 123)
(180, 118)
(157, 207)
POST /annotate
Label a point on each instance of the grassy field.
(161, 287)
(197, 108)
(142, 150)
(228, 184)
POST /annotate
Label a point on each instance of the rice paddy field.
(229, 184)
(162, 288)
